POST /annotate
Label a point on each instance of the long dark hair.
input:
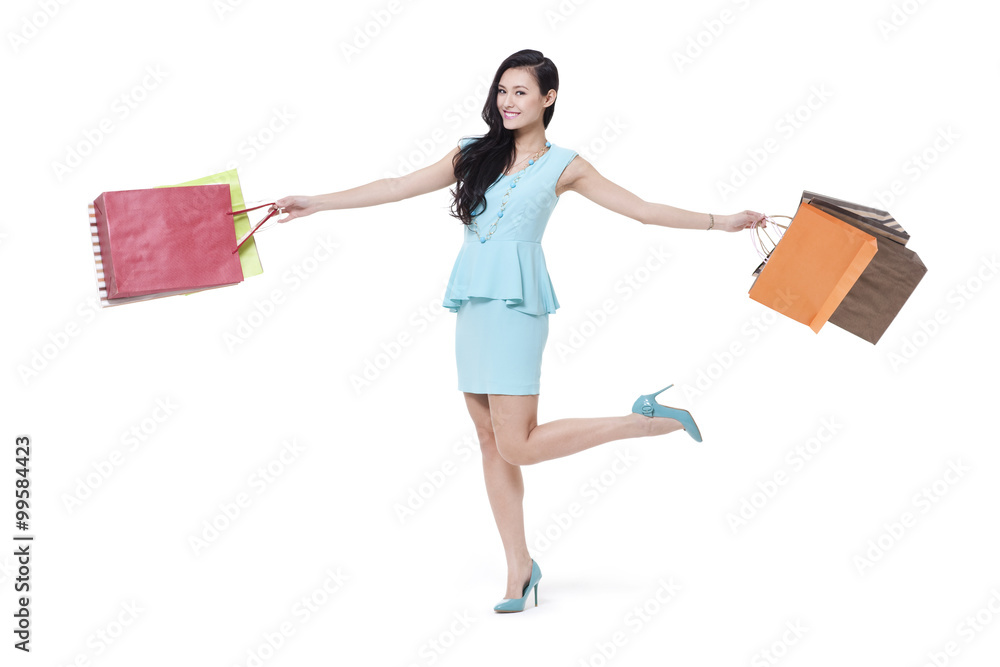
(479, 164)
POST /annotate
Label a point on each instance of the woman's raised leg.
(521, 440)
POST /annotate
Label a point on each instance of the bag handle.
(275, 210)
(757, 228)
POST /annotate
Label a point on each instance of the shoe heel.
(536, 595)
(646, 405)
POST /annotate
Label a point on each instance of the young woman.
(508, 181)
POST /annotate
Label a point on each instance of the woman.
(507, 184)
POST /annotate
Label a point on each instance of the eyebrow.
(518, 86)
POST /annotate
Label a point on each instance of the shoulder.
(563, 158)
(573, 167)
(465, 141)
(562, 153)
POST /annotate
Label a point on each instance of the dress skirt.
(498, 349)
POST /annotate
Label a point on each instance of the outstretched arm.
(428, 179)
(581, 176)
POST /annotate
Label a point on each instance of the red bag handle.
(273, 212)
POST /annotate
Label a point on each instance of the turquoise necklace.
(503, 203)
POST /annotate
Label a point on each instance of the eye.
(520, 92)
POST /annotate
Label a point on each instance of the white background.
(897, 76)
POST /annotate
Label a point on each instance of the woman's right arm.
(428, 179)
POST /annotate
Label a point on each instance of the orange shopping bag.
(813, 267)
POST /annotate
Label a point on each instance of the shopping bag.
(889, 279)
(813, 266)
(874, 221)
(163, 241)
(249, 259)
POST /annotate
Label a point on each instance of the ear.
(550, 98)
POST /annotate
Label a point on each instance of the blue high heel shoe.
(647, 405)
(517, 604)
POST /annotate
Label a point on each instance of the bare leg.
(521, 440)
(505, 489)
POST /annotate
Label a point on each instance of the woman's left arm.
(581, 176)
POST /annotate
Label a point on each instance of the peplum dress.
(500, 288)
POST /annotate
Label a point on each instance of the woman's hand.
(738, 221)
(297, 207)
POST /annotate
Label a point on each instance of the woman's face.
(519, 100)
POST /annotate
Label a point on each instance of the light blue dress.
(501, 289)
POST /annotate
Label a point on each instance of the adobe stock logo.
(894, 530)
(899, 16)
(969, 628)
(796, 458)
(636, 619)
(365, 34)
(32, 25)
(921, 335)
(138, 435)
(712, 29)
(785, 127)
(122, 106)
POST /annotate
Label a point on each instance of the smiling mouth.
(511, 114)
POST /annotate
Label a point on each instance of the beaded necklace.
(503, 203)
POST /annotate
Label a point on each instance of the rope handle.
(275, 210)
(757, 227)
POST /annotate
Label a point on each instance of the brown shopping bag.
(889, 279)
(813, 266)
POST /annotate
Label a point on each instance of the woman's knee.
(513, 452)
(487, 441)
(493, 449)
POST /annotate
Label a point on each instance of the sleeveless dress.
(501, 289)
